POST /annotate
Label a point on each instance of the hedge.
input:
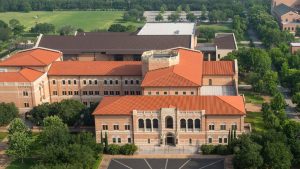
(215, 149)
(126, 149)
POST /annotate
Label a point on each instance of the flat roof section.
(168, 29)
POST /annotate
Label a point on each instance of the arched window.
(141, 123)
(182, 123)
(234, 126)
(169, 122)
(155, 123)
(197, 124)
(148, 123)
(190, 124)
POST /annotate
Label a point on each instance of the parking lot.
(192, 163)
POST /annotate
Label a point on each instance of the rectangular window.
(85, 103)
(104, 127)
(149, 141)
(84, 82)
(157, 93)
(105, 81)
(26, 104)
(222, 127)
(105, 92)
(225, 140)
(64, 92)
(220, 140)
(70, 93)
(91, 92)
(53, 82)
(209, 140)
(90, 82)
(63, 82)
(176, 93)
(129, 140)
(117, 82)
(117, 92)
(184, 93)
(25, 93)
(126, 92)
(75, 82)
(131, 92)
(69, 82)
(76, 93)
(114, 140)
(111, 93)
(119, 140)
(96, 82)
(191, 141)
(126, 81)
(149, 93)
(84, 92)
(54, 93)
(131, 81)
(138, 92)
(111, 82)
(116, 127)
(234, 127)
(97, 93)
(137, 82)
(192, 93)
(211, 127)
(127, 127)
(165, 93)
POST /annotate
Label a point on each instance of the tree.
(19, 143)
(70, 111)
(179, 9)
(173, 17)
(296, 100)
(159, 17)
(277, 155)
(163, 8)
(44, 28)
(106, 143)
(18, 125)
(297, 31)
(134, 15)
(208, 34)
(278, 102)
(203, 13)
(187, 9)
(191, 17)
(25, 6)
(117, 28)
(8, 111)
(5, 34)
(66, 30)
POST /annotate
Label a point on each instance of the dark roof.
(206, 47)
(113, 43)
(282, 9)
(225, 41)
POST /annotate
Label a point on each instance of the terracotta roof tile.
(218, 68)
(25, 75)
(32, 57)
(213, 105)
(187, 73)
(101, 68)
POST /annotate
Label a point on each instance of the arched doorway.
(170, 139)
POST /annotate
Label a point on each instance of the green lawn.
(253, 98)
(87, 20)
(256, 120)
(2, 135)
(222, 27)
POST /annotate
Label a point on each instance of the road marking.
(166, 164)
(211, 164)
(185, 163)
(122, 164)
(148, 164)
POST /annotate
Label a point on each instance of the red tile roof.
(187, 73)
(213, 105)
(218, 68)
(100, 68)
(25, 75)
(32, 57)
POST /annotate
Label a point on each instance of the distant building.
(294, 47)
(222, 44)
(286, 13)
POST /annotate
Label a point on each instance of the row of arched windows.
(149, 123)
(190, 123)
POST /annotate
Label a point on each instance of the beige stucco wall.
(218, 80)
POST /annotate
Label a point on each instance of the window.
(111, 82)
(165, 93)
(148, 124)
(184, 93)
(85, 103)
(96, 82)
(155, 123)
(84, 92)
(53, 82)
(211, 127)
(117, 82)
(54, 92)
(105, 92)
(105, 81)
(131, 92)
(129, 140)
(169, 122)
(75, 82)
(111, 93)
(26, 104)
(25, 93)
(131, 81)
(190, 141)
(190, 124)
(114, 140)
(70, 93)
(138, 92)
(137, 82)
(223, 126)
(97, 93)
(183, 124)
(116, 127)
(157, 93)
(64, 92)
(209, 140)
(176, 93)
(149, 93)
(90, 82)
(69, 82)
(84, 82)
(126, 93)
(76, 93)
(197, 124)
(91, 92)
(220, 140)
(63, 82)
(105, 127)
(225, 140)
(234, 126)
(209, 82)
(126, 81)
(119, 140)
(149, 141)
(127, 127)
(141, 123)
(192, 93)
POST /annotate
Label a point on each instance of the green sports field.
(87, 20)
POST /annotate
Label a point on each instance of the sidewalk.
(4, 159)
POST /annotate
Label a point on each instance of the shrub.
(221, 149)
(128, 149)
(113, 149)
(207, 149)
(8, 111)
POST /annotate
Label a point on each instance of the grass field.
(222, 27)
(253, 98)
(256, 120)
(87, 20)
(2, 135)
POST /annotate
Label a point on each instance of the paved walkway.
(291, 107)
(4, 159)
